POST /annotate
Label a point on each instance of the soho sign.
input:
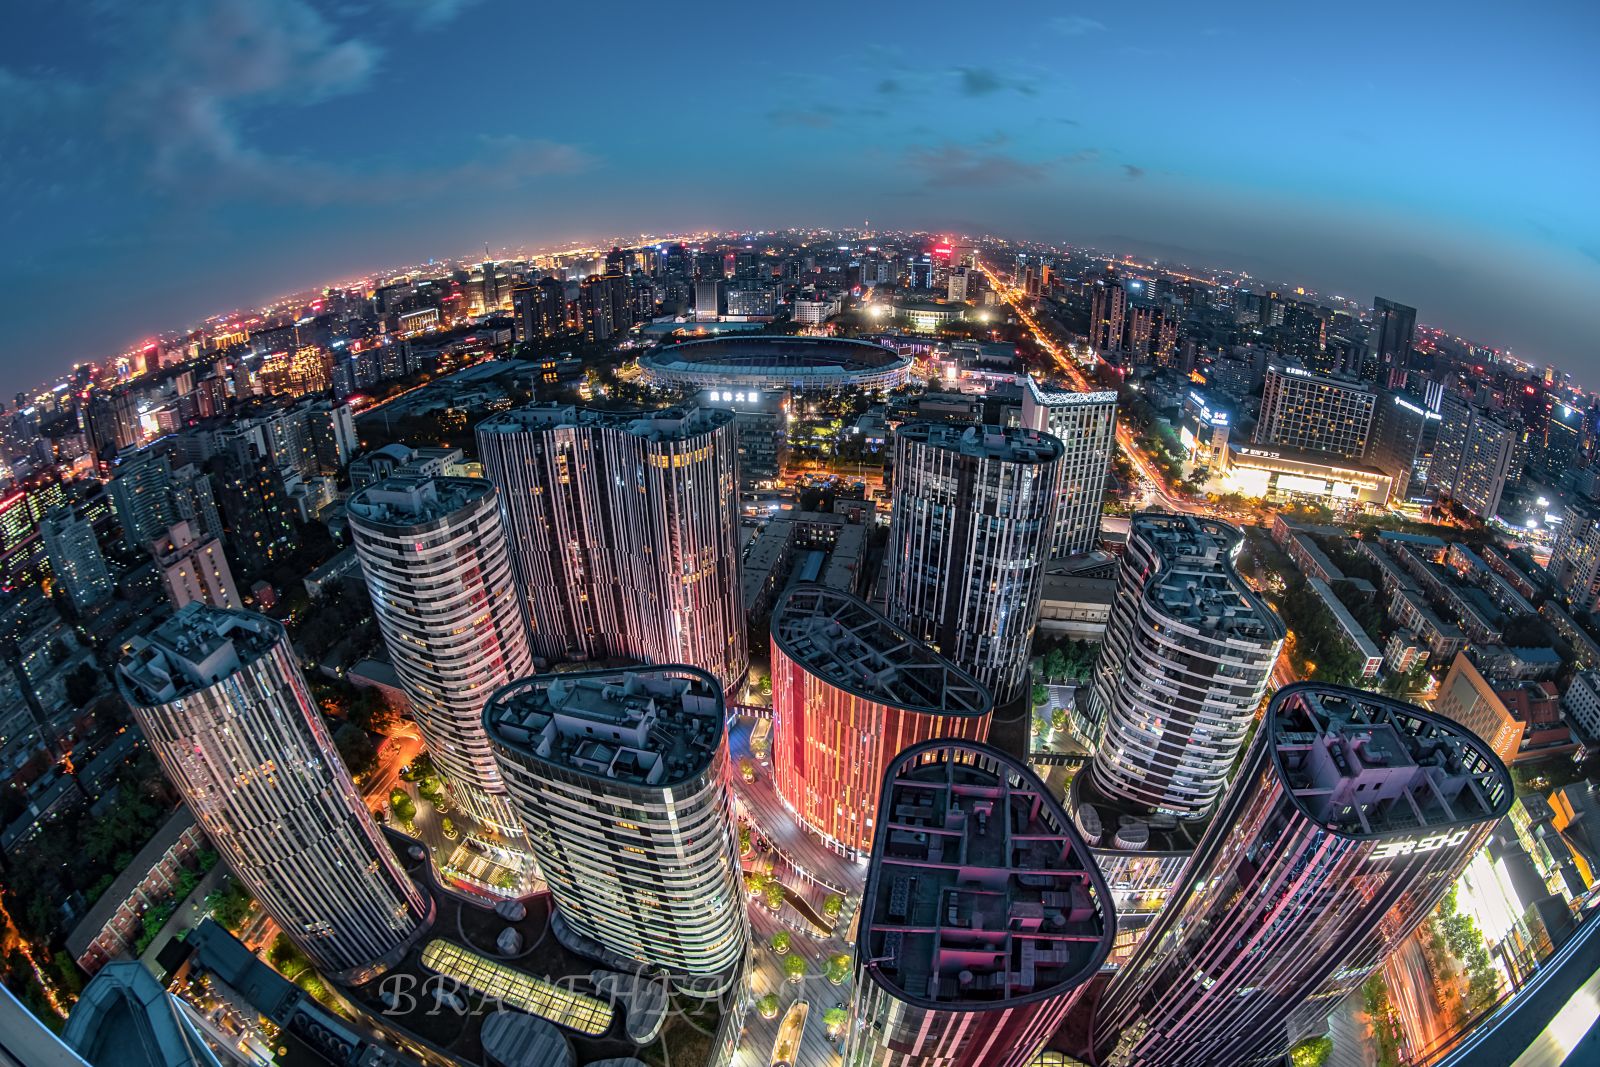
(1417, 844)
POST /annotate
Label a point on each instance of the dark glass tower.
(1350, 819)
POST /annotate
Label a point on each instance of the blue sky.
(168, 159)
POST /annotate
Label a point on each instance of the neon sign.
(1419, 844)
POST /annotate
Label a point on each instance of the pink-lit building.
(983, 918)
(850, 692)
(1350, 819)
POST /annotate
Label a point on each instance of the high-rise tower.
(1086, 426)
(974, 514)
(982, 919)
(433, 551)
(221, 700)
(624, 782)
(624, 532)
(1350, 818)
(851, 691)
(75, 558)
(1183, 668)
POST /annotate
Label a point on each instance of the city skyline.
(999, 139)
(1101, 598)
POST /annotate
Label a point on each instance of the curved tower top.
(1350, 819)
(434, 555)
(850, 692)
(983, 916)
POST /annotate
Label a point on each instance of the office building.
(433, 553)
(1469, 700)
(850, 692)
(974, 515)
(1349, 820)
(1183, 668)
(141, 495)
(194, 568)
(1405, 431)
(624, 532)
(983, 916)
(1574, 566)
(624, 782)
(224, 707)
(75, 558)
(1314, 412)
(1394, 327)
(1086, 426)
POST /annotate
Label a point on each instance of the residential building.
(1574, 566)
(75, 558)
(221, 701)
(195, 568)
(624, 782)
(434, 556)
(974, 515)
(259, 514)
(1581, 703)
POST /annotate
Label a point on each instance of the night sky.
(167, 159)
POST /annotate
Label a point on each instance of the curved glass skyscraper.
(433, 552)
(221, 700)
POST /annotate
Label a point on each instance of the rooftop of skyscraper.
(407, 500)
(980, 892)
(1364, 766)
(648, 726)
(1057, 397)
(841, 640)
(1197, 583)
(665, 424)
(1013, 444)
(194, 649)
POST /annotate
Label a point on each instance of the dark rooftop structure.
(843, 641)
(981, 894)
(1362, 766)
(647, 726)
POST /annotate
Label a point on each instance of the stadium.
(798, 364)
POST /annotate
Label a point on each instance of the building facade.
(141, 495)
(850, 691)
(974, 515)
(1183, 668)
(1314, 412)
(221, 700)
(983, 915)
(1350, 819)
(434, 556)
(75, 558)
(1574, 566)
(624, 532)
(1086, 426)
(624, 782)
(195, 568)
